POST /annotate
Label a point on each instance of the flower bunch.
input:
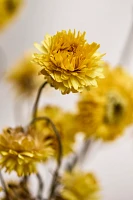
(104, 109)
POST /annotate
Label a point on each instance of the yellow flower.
(17, 191)
(77, 185)
(106, 111)
(24, 77)
(1, 189)
(65, 124)
(68, 62)
(20, 150)
(8, 9)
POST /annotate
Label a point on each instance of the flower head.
(65, 123)
(24, 77)
(77, 185)
(8, 9)
(107, 110)
(20, 150)
(68, 62)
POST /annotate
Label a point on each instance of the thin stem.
(126, 53)
(4, 185)
(69, 167)
(80, 156)
(53, 185)
(24, 180)
(40, 188)
(86, 146)
(37, 100)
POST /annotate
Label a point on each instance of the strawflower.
(68, 62)
(8, 10)
(20, 150)
(106, 111)
(77, 185)
(65, 123)
(24, 77)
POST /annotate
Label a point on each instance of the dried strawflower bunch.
(105, 108)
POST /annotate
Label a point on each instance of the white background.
(107, 22)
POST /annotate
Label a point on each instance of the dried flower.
(68, 62)
(20, 150)
(18, 191)
(106, 111)
(24, 77)
(8, 9)
(65, 123)
(77, 185)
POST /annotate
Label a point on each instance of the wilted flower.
(65, 123)
(106, 111)
(20, 150)
(8, 9)
(24, 77)
(77, 185)
(18, 191)
(68, 62)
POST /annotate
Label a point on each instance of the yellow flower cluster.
(77, 185)
(8, 9)
(24, 77)
(20, 150)
(68, 62)
(106, 111)
(65, 123)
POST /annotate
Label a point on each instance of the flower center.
(114, 109)
(26, 83)
(10, 5)
(72, 48)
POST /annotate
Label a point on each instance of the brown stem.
(41, 186)
(4, 186)
(80, 156)
(55, 176)
(34, 114)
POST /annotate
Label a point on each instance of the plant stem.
(40, 188)
(34, 114)
(53, 185)
(4, 185)
(79, 156)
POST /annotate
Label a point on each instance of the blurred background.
(107, 22)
